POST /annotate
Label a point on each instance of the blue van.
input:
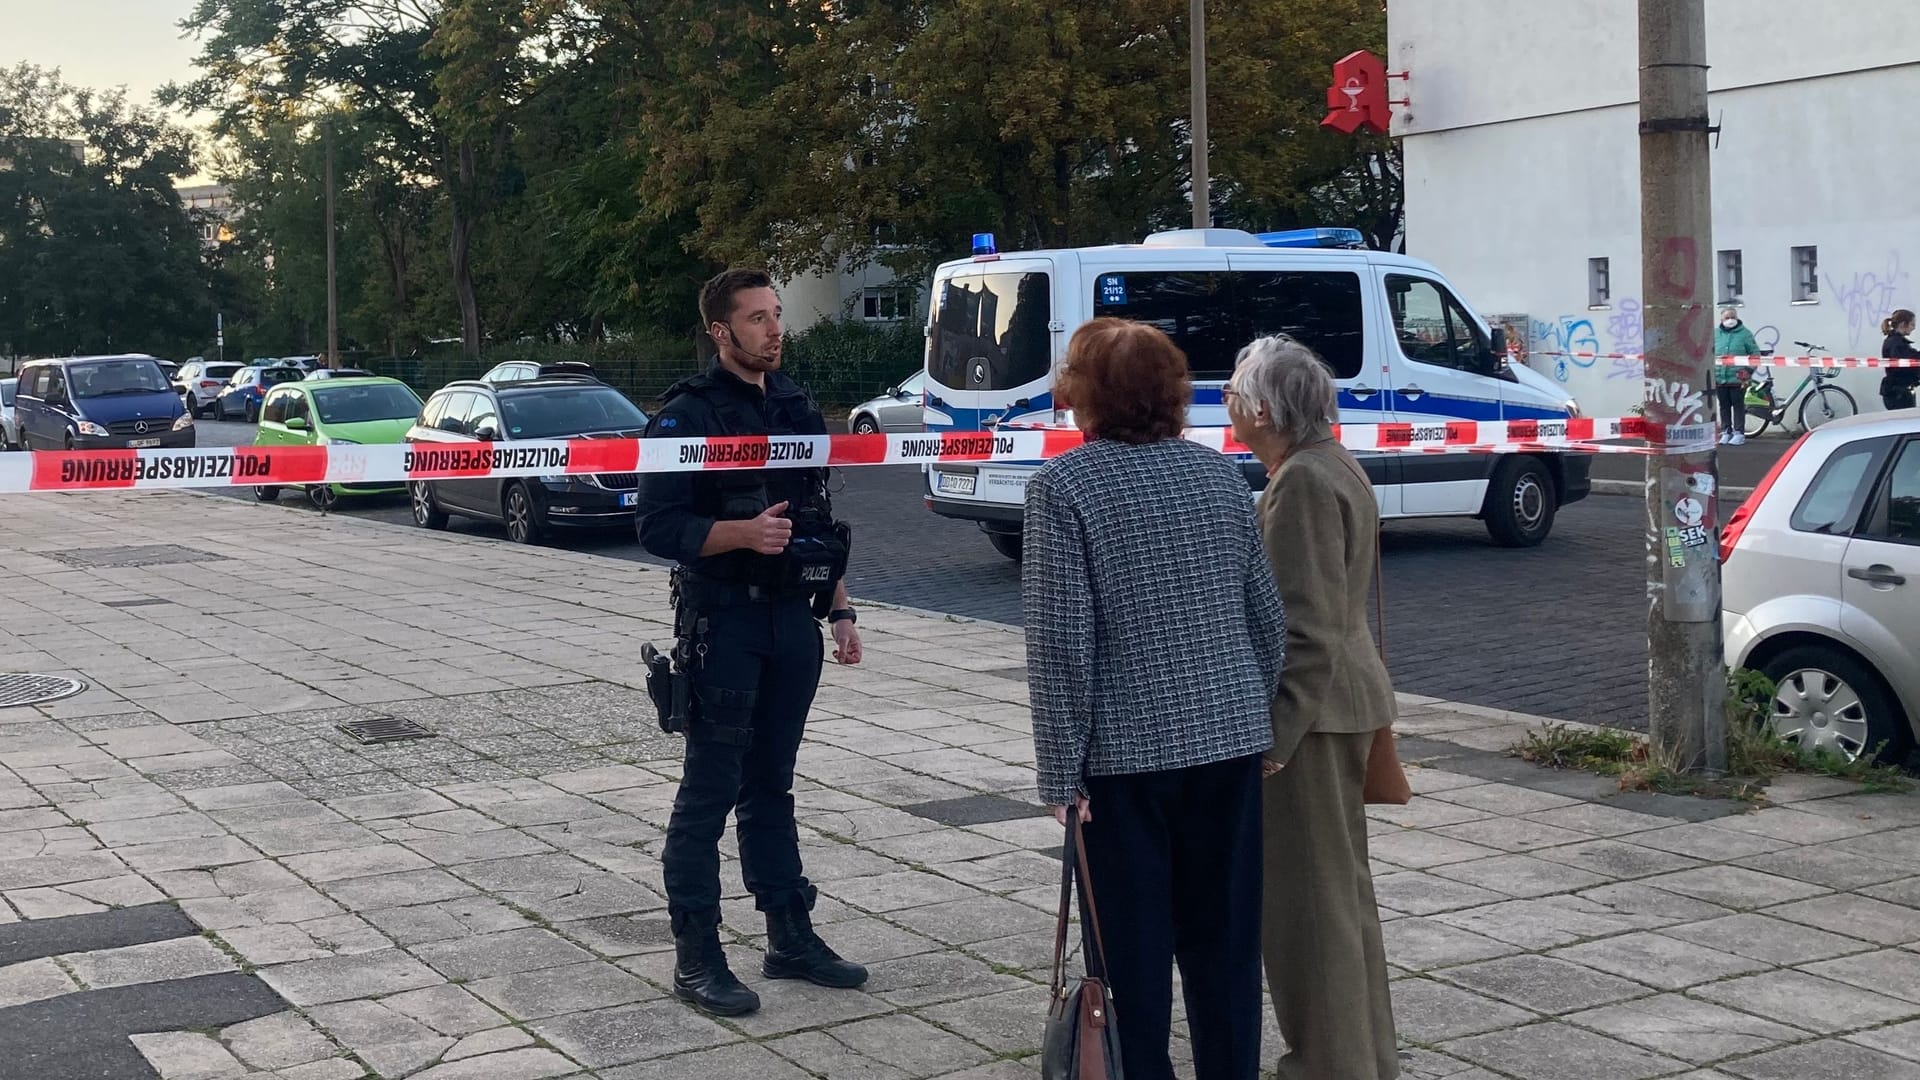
(100, 403)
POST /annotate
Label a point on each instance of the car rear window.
(1833, 501)
(562, 411)
(6, 392)
(220, 371)
(271, 376)
(361, 404)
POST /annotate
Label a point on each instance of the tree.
(97, 253)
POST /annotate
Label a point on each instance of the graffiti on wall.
(1567, 334)
(1688, 404)
(1867, 298)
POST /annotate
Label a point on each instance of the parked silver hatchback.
(1822, 586)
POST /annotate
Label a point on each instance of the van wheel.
(266, 494)
(1827, 700)
(1520, 502)
(1008, 544)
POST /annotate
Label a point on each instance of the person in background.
(1732, 338)
(1897, 384)
(1325, 957)
(1154, 642)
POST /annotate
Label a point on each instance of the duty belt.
(701, 592)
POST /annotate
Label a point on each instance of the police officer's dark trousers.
(753, 689)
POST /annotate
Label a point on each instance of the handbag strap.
(1073, 858)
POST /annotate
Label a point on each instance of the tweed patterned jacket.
(1155, 633)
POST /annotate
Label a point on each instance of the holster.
(670, 689)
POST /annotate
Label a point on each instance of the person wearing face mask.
(1732, 338)
(1897, 385)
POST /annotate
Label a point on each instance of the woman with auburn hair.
(1154, 643)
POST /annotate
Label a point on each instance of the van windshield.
(990, 331)
(105, 378)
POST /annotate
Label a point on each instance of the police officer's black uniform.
(748, 638)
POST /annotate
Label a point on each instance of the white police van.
(1403, 347)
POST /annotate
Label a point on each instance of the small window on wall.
(886, 304)
(1599, 283)
(1732, 283)
(1806, 275)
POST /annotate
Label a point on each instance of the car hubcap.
(517, 522)
(1529, 502)
(1818, 711)
(422, 504)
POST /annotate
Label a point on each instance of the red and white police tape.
(290, 466)
(1760, 361)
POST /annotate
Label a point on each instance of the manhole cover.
(384, 729)
(138, 555)
(19, 689)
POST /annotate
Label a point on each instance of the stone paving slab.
(487, 904)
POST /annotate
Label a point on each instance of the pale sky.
(101, 43)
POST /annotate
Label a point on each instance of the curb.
(1638, 489)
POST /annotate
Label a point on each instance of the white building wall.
(1522, 164)
(812, 298)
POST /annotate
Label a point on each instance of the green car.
(370, 411)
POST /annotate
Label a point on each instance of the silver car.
(1822, 586)
(900, 408)
(9, 427)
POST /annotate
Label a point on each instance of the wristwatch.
(846, 613)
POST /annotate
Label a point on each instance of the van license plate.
(143, 444)
(947, 483)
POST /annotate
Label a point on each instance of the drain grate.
(22, 689)
(385, 729)
(134, 603)
(106, 558)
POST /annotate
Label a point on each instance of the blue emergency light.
(1313, 238)
(983, 244)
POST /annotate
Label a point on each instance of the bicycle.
(1819, 402)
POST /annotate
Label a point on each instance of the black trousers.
(1175, 859)
(1733, 406)
(752, 691)
(1896, 393)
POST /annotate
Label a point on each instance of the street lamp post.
(333, 310)
(1202, 200)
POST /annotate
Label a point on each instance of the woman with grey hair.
(1320, 927)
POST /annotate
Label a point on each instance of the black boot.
(701, 975)
(794, 951)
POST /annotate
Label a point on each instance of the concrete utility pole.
(1202, 201)
(1686, 685)
(333, 306)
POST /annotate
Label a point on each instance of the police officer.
(756, 552)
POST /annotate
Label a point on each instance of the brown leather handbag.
(1081, 1040)
(1386, 782)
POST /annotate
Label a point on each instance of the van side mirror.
(1499, 341)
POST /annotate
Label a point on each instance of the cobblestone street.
(199, 862)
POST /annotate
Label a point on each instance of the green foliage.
(1596, 750)
(571, 170)
(97, 253)
(842, 362)
(1755, 754)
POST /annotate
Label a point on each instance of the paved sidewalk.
(205, 878)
